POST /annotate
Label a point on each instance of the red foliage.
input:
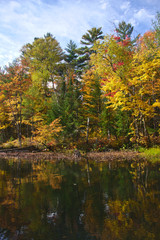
(120, 63)
(110, 94)
(114, 66)
(105, 79)
(116, 38)
(125, 42)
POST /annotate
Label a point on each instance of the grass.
(152, 154)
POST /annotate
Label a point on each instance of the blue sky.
(23, 20)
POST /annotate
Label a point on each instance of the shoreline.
(97, 156)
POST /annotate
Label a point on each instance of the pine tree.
(71, 55)
(124, 32)
(87, 41)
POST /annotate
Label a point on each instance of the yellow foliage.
(156, 104)
(46, 134)
(130, 77)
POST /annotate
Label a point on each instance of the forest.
(102, 95)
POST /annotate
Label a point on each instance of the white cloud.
(125, 5)
(21, 21)
(5, 38)
(141, 18)
(28, 19)
(143, 15)
(103, 4)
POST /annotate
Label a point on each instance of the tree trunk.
(87, 130)
(146, 132)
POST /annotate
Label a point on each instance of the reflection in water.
(79, 200)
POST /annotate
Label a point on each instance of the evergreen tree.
(124, 31)
(66, 106)
(71, 55)
(87, 41)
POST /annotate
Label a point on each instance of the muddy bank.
(30, 154)
(114, 155)
(98, 156)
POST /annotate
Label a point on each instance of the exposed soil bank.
(98, 156)
(114, 155)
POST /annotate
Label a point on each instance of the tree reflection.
(54, 200)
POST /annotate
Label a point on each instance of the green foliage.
(87, 41)
(152, 154)
(66, 106)
(112, 81)
(124, 30)
(91, 36)
(71, 55)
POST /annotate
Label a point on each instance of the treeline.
(105, 94)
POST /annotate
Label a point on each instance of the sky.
(23, 20)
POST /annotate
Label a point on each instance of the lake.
(79, 200)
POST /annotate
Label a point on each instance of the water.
(48, 200)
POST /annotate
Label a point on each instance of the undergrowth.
(152, 154)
